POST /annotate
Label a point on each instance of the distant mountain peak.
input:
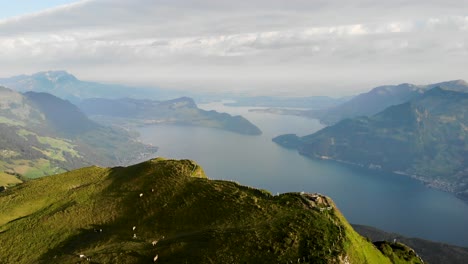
(65, 85)
(55, 76)
(182, 102)
(406, 85)
(392, 89)
(459, 82)
(454, 85)
(4, 89)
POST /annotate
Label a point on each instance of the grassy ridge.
(195, 220)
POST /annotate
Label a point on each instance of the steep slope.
(63, 118)
(169, 209)
(182, 111)
(425, 137)
(379, 98)
(42, 135)
(430, 251)
(372, 102)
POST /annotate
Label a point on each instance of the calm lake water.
(390, 202)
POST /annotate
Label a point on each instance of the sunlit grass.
(195, 220)
(8, 179)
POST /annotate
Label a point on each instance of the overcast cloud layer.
(294, 47)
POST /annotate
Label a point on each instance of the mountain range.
(366, 104)
(379, 98)
(43, 134)
(167, 211)
(66, 86)
(125, 106)
(424, 138)
(126, 112)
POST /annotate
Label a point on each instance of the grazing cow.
(154, 242)
(141, 194)
(82, 256)
(134, 236)
(134, 228)
(155, 258)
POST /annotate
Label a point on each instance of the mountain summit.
(66, 86)
(168, 211)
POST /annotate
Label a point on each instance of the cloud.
(258, 46)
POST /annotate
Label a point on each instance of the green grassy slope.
(398, 252)
(43, 135)
(430, 251)
(195, 220)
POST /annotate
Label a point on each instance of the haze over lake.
(390, 202)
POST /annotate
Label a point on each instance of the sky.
(258, 47)
(21, 7)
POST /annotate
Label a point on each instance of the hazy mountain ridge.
(135, 105)
(127, 112)
(379, 98)
(65, 85)
(369, 103)
(424, 138)
(62, 117)
(169, 209)
(43, 134)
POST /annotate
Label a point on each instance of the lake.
(393, 203)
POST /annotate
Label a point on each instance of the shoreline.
(436, 185)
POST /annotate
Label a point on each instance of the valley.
(390, 202)
(324, 132)
(202, 142)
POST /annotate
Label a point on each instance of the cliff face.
(169, 209)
